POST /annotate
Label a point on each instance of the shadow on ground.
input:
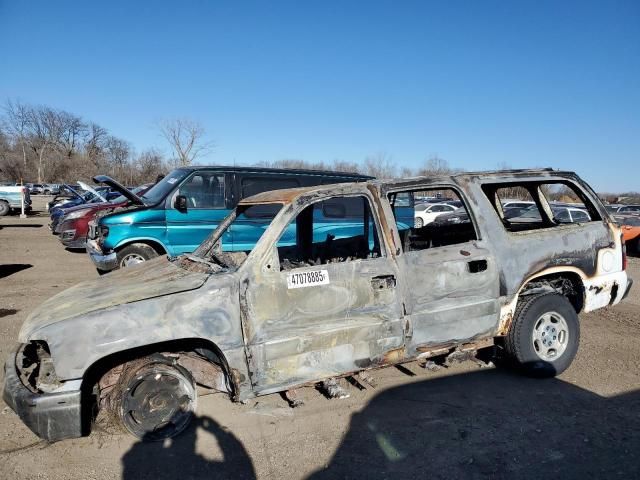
(487, 424)
(177, 457)
(11, 268)
(18, 225)
(491, 424)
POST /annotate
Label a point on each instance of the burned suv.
(332, 287)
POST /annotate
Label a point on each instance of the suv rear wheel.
(545, 334)
(134, 254)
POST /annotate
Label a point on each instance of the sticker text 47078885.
(307, 279)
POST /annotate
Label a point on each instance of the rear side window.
(522, 205)
(254, 185)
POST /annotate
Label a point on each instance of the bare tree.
(150, 164)
(380, 165)
(187, 139)
(95, 144)
(434, 166)
(45, 129)
(118, 152)
(345, 166)
(72, 129)
(16, 121)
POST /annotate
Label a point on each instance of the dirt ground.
(462, 422)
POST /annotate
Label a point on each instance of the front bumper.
(68, 239)
(105, 262)
(52, 416)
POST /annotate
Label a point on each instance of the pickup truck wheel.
(4, 208)
(157, 400)
(134, 254)
(544, 336)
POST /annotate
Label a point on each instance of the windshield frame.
(211, 244)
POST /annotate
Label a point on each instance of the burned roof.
(288, 195)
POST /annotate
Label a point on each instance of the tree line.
(43, 144)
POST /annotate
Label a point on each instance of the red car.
(74, 226)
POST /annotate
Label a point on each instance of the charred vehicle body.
(308, 303)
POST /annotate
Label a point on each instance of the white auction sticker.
(307, 279)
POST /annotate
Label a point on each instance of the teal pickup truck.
(180, 211)
(11, 198)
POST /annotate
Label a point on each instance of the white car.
(427, 212)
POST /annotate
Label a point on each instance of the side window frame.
(420, 188)
(534, 187)
(385, 249)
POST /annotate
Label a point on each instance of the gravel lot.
(463, 422)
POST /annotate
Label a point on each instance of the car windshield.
(230, 243)
(161, 189)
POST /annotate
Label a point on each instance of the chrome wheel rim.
(550, 336)
(131, 259)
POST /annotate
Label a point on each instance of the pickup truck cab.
(13, 198)
(181, 210)
(308, 302)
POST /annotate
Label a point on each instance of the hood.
(132, 197)
(71, 190)
(150, 279)
(96, 194)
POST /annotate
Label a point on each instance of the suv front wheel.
(544, 337)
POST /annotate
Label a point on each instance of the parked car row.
(512, 211)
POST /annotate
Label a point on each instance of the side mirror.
(180, 203)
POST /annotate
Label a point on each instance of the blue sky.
(479, 83)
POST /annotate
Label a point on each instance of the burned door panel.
(304, 334)
(453, 294)
(332, 306)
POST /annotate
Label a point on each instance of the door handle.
(383, 281)
(476, 266)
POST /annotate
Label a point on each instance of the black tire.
(419, 223)
(135, 253)
(155, 398)
(4, 208)
(535, 317)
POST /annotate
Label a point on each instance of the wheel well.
(203, 349)
(568, 284)
(160, 250)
